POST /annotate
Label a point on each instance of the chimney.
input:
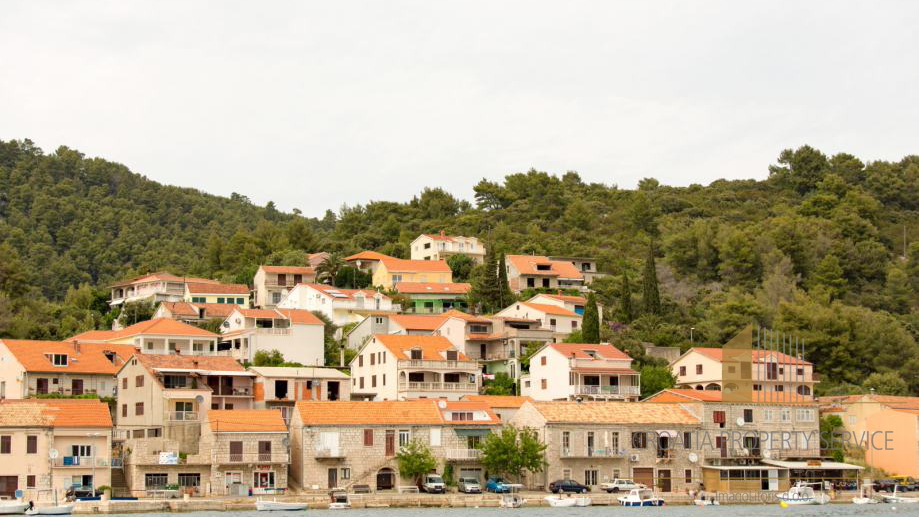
(76, 346)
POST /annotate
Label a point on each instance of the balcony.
(272, 331)
(253, 457)
(438, 365)
(232, 391)
(329, 452)
(611, 391)
(80, 462)
(589, 452)
(182, 416)
(438, 386)
(498, 355)
(464, 454)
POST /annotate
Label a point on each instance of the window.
(852, 420)
(768, 415)
(614, 440)
(32, 444)
(639, 440)
(682, 370)
(780, 388)
(124, 410)
(757, 387)
(153, 481)
(190, 480)
(139, 381)
(543, 384)
(275, 298)
(748, 415)
(361, 383)
(124, 383)
(404, 437)
(800, 372)
(805, 415)
(574, 325)
(566, 474)
(616, 473)
(240, 301)
(551, 322)
(687, 476)
(687, 439)
(373, 380)
(462, 415)
(30, 481)
(360, 360)
(590, 477)
(57, 359)
(373, 359)
(6, 444)
(566, 441)
(345, 473)
(785, 415)
(542, 360)
(718, 417)
(139, 409)
(396, 278)
(698, 369)
(221, 299)
(84, 451)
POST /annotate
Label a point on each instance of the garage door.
(643, 475)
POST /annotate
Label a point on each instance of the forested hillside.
(824, 248)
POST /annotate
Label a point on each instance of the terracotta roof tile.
(301, 317)
(432, 347)
(614, 413)
(366, 255)
(211, 310)
(464, 316)
(526, 265)
(499, 401)
(162, 326)
(216, 363)
(246, 420)
(333, 292)
(216, 288)
(687, 394)
(94, 335)
(292, 270)
(386, 412)
(468, 405)
(161, 276)
(90, 358)
(579, 350)
(433, 287)
(55, 413)
(551, 309)
(716, 354)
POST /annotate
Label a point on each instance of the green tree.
(531, 348)
(513, 451)
(591, 327)
(829, 275)
(625, 313)
(461, 265)
(830, 438)
(887, 383)
(503, 289)
(502, 384)
(485, 287)
(333, 347)
(655, 378)
(328, 269)
(415, 459)
(651, 297)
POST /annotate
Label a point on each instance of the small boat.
(511, 501)
(641, 497)
(863, 497)
(13, 507)
(559, 501)
(60, 509)
(582, 501)
(803, 493)
(706, 502)
(279, 506)
(339, 500)
(894, 498)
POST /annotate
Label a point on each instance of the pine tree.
(591, 327)
(483, 289)
(626, 313)
(650, 296)
(503, 288)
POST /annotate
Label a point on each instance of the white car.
(620, 485)
(433, 484)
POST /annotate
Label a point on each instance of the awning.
(472, 432)
(739, 467)
(804, 465)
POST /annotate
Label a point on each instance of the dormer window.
(57, 359)
(110, 356)
(591, 353)
(543, 267)
(452, 355)
(415, 354)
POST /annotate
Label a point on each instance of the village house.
(194, 313)
(575, 304)
(581, 371)
(217, 292)
(770, 371)
(534, 272)
(280, 387)
(586, 265)
(497, 343)
(239, 452)
(366, 261)
(503, 406)
(273, 283)
(31, 368)
(597, 442)
(434, 297)
(392, 324)
(399, 367)
(749, 446)
(555, 318)
(348, 443)
(157, 336)
(392, 271)
(298, 334)
(80, 430)
(442, 246)
(168, 396)
(342, 306)
(153, 287)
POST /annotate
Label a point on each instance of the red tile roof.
(418, 321)
(579, 350)
(328, 290)
(293, 270)
(90, 413)
(367, 255)
(215, 363)
(162, 326)
(217, 288)
(433, 287)
(162, 276)
(211, 310)
(595, 413)
(551, 309)
(499, 401)
(301, 317)
(246, 420)
(432, 347)
(686, 394)
(757, 355)
(90, 358)
(353, 412)
(94, 335)
(453, 313)
(450, 406)
(526, 265)
(405, 265)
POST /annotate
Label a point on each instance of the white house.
(296, 333)
(535, 271)
(441, 246)
(342, 306)
(575, 304)
(400, 367)
(556, 318)
(703, 368)
(272, 283)
(571, 371)
(382, 323)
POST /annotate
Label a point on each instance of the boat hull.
(64, 509)
(13, 509)
(275, 506)
(561, 502)
(645, 502)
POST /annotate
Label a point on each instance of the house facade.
(434, 298)
(770, 371)
(153, 287)
(296, 333)
(420, 324)
(503, 406)
(157, 336)
(216, 292)
(442, 246)
(555, 318)
(194, 312)
(342, 306)
(597, 442)
(400, 367)
(280, 387)
(273, 283)
(586, 265)
(392, 271)
(534, 271)
(581, 371)
(79, 429)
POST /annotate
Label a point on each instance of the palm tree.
(328, 269)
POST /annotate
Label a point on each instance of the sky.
(317, 104)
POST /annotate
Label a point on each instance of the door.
(76, 386)
(773, 480)
(390, 443)
(9, 485)
(264, 451)
(333, 478)
(643, 475)
(386, 479)
(236, 451)
(722, 443)
(233, 477)
(663, 480)
(333, 390)
(482, 351)
(41, 385)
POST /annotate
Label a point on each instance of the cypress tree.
(650, 296)
(505, 296)
(625, 299)
(591, 327)
(484, 289)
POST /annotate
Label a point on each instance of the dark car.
(568, 485)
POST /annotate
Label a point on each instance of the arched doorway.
(386, 479)
(700, 387)
(713, 387)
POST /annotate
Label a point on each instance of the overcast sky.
(315, 104)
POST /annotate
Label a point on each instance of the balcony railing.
(235, 391)
(330, 452)
(183, 416)
(273, 331)
(253, 457)
(438, 386)
(608, 390)
(590, 452)
(499, 355)
(80, 461)
(464, 454)
(438, 365)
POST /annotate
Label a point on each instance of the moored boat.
(13, 507)
(279, 506)
(895, 498)
(863, 497)
(706, 502)
(803, 493)
(340, 500)
(60, 509)
(641, 497)
(559, 501)
(511, 501)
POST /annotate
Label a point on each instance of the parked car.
(620, 485)
(568, 485)
(433, 484)
(82, 491)
(497, 485)
(469, 486)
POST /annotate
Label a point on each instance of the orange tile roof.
(328, 290)
(564, 298)
(614, 413)
(551, 309)
(579, 350)
(301, 316)
(163, 326)
(367, 255)
(90, 358)
(433, 287)
(246, 420)
(526, 265)
(162, 276)
(316, 258)
(499, 401)
(293, 270)
(214, 363)
(55, 413)
(442, 236)
(211, 310)
(94, 335)
(687, 394)
(215, 288)
(716, 354)
(464, 316)
(418, 321)
(432, 347)
(259, 313)
(354, 412)
(407, 265)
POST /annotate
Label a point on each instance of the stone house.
(280, 387)
(273, 283)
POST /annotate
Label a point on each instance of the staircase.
(119, 483)
(362, 478)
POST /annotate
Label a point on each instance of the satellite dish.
(740, 421)
(693, 457)
(442, 404)
(767, 453)
(285, 442)
(53, 454)
(199, 398)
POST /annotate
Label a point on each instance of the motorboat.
(60, 509)
(558, 501)
(279, 506)
(803, 493)
(894, 498)
(339, 500)
(863, 497)
(511, 500)
(641, 497)
(13, 507)
(706, 502)
(582, 501)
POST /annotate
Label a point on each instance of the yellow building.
(212, 292)
(393, 270)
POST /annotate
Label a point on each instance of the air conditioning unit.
(633, 457)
